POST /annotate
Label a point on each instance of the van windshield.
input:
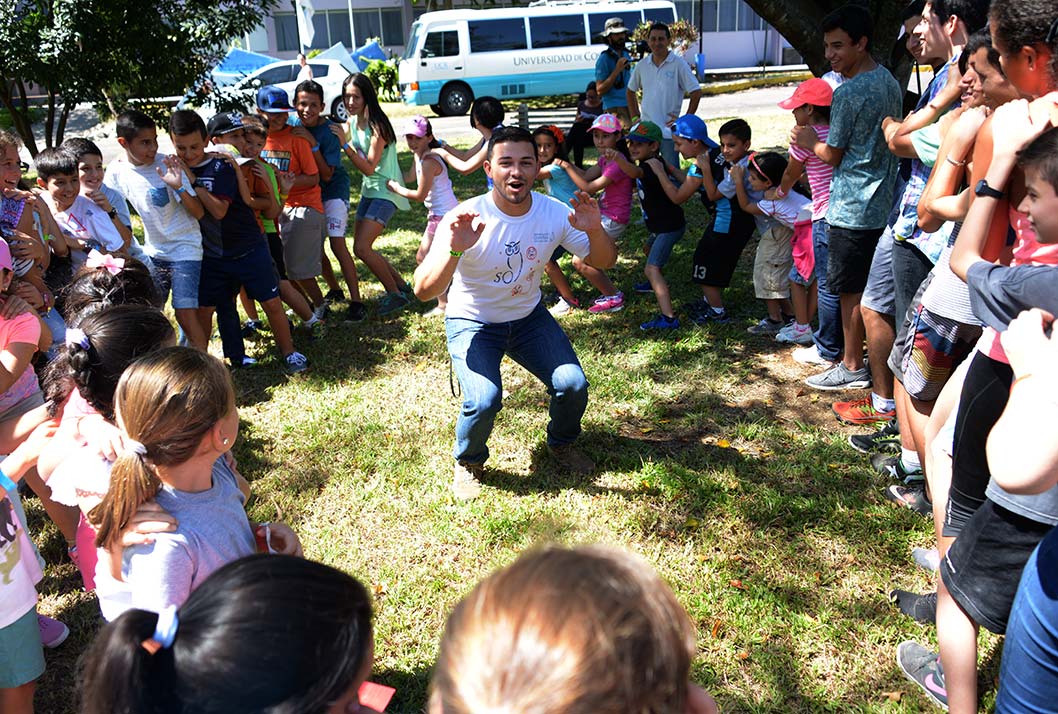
(413, 42)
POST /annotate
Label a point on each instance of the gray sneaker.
(466, 481)
(392, 302)
(840, 377)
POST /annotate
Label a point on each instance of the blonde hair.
(589, 630)
(167, 401)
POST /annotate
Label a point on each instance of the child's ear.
(123, 142)
(41, 182)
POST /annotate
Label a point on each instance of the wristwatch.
(985, 191)
(113, 213)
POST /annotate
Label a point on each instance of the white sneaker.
(562, 308)
(810, 355)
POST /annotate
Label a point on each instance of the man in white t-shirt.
(490, 253)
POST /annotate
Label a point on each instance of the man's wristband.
(7, 484)
(315, 148)
(455, 253)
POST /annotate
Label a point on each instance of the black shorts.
(983, 566)
(222, 277)
(849, 260)
(716, 257)
(275, 248)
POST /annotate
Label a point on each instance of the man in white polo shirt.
(664, 78)
(490, 252)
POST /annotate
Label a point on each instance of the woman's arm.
(950, 167)
(367, 164)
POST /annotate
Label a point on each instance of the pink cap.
(607, 123)
(815, 91)
(416, 126)
(5, 256)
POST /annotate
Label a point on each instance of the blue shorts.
(21, 652)
(179, 276)
(661, 246)
(378, 210)
(222, 277)
(797, 279)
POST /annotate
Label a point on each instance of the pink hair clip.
(105, 261)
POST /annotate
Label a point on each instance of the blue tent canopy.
(237, 64)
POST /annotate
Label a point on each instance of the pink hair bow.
(106, 261)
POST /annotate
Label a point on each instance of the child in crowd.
(251, 619)
(159, 189)
(432, 186)
(579, 138)
(372, 147)
(310, 124)
(486, 116)
(20, 631)
(551, 149)
(722, 243)
(625, 643)
(664, 219)
(302, 225)
(235, 252)
(84, 224)
(774, 258)
(254, 138)
(615, 203)
(176, 409)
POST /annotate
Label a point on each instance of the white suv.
(330, 74)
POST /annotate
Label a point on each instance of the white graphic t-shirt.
(498, 278)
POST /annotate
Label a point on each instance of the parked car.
(242, 94)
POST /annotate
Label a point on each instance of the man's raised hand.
(586, 215)
(464, 234)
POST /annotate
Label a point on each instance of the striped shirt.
(819, 173)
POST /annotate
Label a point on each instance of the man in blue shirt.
(612, 70)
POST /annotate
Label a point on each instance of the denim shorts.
(879, 293)
(179, 276)
(796, 278)
(222, 277)
(378, 210)
(661, 246)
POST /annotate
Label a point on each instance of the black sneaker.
(911, 497)
(356, 312)
(893, 467)
(885, 439)
(923, 668)
(711, 314)
(250, 328)
(920, 608)
(696, 307)
(335, 295)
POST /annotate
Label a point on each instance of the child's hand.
(23, 245)
(804, 136)
(658, 168)
(967, 126)
(610, 154)
(281, 539)
(1020, 124)
(285, 179)
(392, 185)
(30, 294)
(173, 175)
(16, 194)
(306, 135)
(1027, 345)
(771, 194)
(108, 440)
(29, 450)
(149, 518)
(738, 173)
(260, 171)
(100, 199)
(11, 306)
(339, 131)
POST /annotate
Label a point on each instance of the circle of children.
(931, 239)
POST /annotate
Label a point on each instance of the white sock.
(312, 320)
(909, 459)
(803, 326)
(881, 404)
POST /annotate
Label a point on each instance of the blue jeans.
(537, 343)
(829, 338)
(1028, 676)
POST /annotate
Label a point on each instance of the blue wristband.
(315, 148)
(7, 484)
(348, 146)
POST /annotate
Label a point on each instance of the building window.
(557, 31)
(367, 24)
(497, 35)
(338, 26)
(720, 15)
(392, 26)
(286, 32)
(257, 40)
(597, 23)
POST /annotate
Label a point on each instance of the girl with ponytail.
(176, 409)
(262, 634)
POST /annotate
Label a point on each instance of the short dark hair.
(855, 20)
(655, 26)
(511, 135)
(255, 124)
(982, 39)
(185, 121)
(912, 9)
(973, 13)
(738, 128)
(1042, 155)
(487, 110)
(55, 162)
(310, 87)
(131, 122)
(81, 147)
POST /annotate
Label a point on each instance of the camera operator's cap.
(691, 126)
(614, 26)
(645, 132)
(5, 256)
(273, 100)
(416, 126)
(815, 91)
(607, 123)
(224, 123)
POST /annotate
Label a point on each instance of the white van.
(453, 56)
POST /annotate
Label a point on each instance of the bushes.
(383, 73)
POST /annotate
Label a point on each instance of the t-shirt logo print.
(515, 261)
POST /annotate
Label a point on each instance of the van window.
(561, 31)
(660, 14)
(597, 22)
(497, 35)
(441, 44)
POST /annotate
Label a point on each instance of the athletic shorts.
(716, 257)
(772, 263)
(613, 229)
(21, 652)
(275, 249)
(878, 294)
(983, 567)
(934, 347)
(222, 277)
(302, 230)
(850, 257)
(336, 212)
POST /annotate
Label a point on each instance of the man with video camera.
(612, 70)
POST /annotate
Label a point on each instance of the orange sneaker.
(860, 411)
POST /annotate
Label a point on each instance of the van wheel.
(455, 99)
(338, 110)
(436, 109)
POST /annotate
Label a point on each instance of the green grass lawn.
(714, 464)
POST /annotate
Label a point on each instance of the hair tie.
(559, 136)
(75, 336)
(164, 631)
(134, 447)
(106, 261)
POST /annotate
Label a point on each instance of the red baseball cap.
(813, 91)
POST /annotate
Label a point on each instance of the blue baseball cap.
(273, 100)
(690, 126)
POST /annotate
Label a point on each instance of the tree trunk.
(23, 120)
(60, 132)
(49, 121)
